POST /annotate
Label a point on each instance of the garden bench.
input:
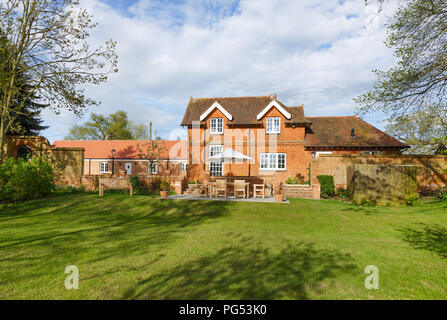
(114, 183)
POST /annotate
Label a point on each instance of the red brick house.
(280, 139)
(111, 157)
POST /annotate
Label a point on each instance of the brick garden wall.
(431, 173)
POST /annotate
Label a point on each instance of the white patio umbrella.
(230, 154)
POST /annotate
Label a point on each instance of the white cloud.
(319, 53)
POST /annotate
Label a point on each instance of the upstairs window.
(273, 125)
(216, 125)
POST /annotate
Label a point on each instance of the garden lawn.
(146, 248)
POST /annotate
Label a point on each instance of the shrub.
(25, 180)
(414, 201)
(298, 179)
(327, 186)
(442, 194)
(367, 203)
(343, 193)
(165, 186)
(138, 186)
(155, 185)
(292, 180)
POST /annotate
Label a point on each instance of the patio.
(230, 198)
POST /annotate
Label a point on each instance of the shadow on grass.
(97, 228)
(247, 271)
(427, 237)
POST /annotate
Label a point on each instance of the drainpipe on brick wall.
(249, 151)
(204, 147)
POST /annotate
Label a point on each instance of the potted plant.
(165, 186)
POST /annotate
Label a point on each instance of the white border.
(214, 106)
(277, 106)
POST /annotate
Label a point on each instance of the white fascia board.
(221, 109)
(277, 106)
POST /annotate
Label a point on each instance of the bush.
(343, 193)
(414, 201)
(298, 179)
(292, 180)
(165, 186)
(367, 203)
(442, 194)
(68, 189)
(327, 186)
(25, 180)
(155, 185)
(138, 186)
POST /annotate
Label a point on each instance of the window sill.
(272, 169)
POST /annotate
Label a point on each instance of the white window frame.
(183, 166)
(102, 166)
(213, 163)
(216, 129)
(212, 146)
(153, 166)
(273, 125)
(271, 162)
(218, 164)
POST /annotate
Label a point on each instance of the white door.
(128, 167)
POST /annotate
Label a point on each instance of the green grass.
(146, 248)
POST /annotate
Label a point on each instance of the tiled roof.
(243, 109)
(336, 132)
(125, 149)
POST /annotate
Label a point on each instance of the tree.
(115, 126)
(152, 150)
(420, 130)
(418, 34)
(28, 121)
(47, 45)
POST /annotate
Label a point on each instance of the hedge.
(327, 186)
(25, 180)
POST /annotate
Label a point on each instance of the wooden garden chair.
(259, 189)
(221, 187)
(200, 188)
(240, 187)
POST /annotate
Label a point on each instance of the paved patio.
(193, 197)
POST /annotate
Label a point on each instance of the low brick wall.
(301, 191)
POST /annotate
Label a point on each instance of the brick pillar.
(316, 191)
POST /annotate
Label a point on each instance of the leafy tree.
(115, 126)
(27, 121)
(47, 45)
(420, 130)
(418, 34)
(152, 150)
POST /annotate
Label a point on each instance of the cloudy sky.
(316, 53)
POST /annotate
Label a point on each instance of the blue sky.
(311, 52)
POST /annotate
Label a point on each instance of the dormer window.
(216, 125)
(273, 125)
